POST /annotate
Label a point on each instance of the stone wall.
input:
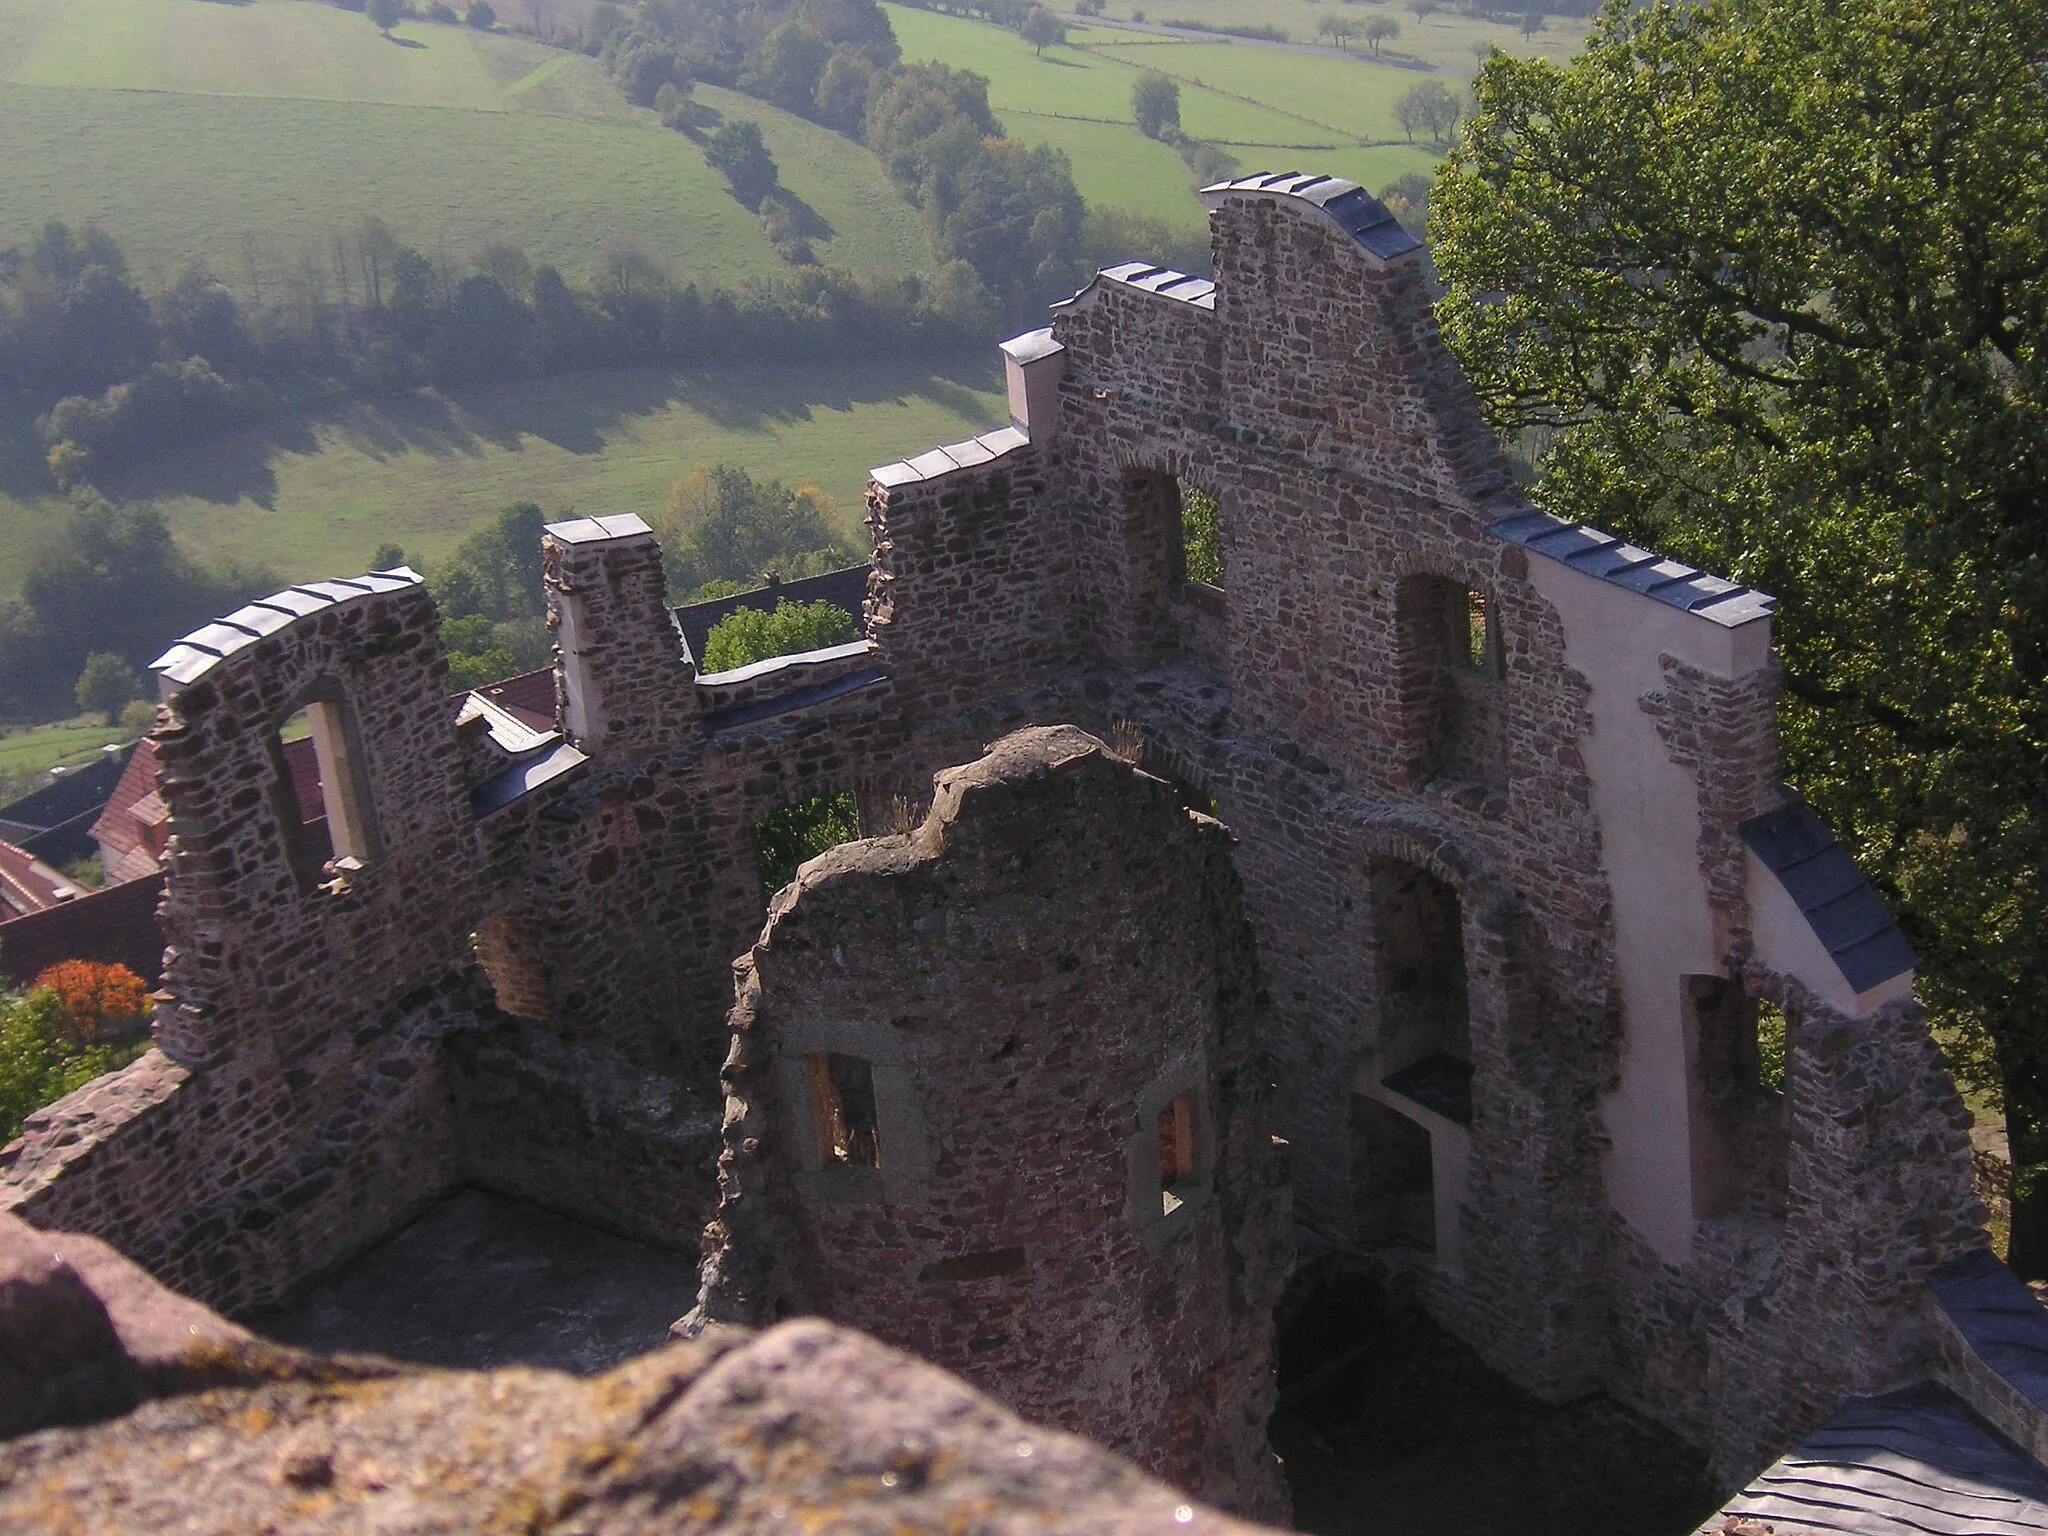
(1493, 778)
(1015, 995)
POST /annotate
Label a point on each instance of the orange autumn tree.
(92, 997)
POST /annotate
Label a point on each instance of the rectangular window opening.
(843, 1096)
(1176, 1134)
(1478, 630)
(1201, 537)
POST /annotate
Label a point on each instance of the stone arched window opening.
(1173, 1154)
(1411, 1114)
(319, 788)
(1451, 662)
(1176, 569)
(1737, 1050)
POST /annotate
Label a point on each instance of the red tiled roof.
(529, 697)
(116, 925)
(27, 884)
(135, 825)
(123, 835)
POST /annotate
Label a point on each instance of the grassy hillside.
(1275, 109)
(221, 132)
(1272, 109)
(313, 496)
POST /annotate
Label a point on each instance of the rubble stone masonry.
(1048, 993)
(1509, 836)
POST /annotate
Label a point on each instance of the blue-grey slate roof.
(1845, 912)
(1355, 211)
(1602, 555)
(1911, 1463)
(2000, 1319)
(83, 791)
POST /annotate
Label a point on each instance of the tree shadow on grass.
(578, 413)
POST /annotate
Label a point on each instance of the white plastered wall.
(1664, 929)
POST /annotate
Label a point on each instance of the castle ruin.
(1509, 880)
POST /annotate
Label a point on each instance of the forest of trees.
(116, 376)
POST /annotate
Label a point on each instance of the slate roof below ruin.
(1910, 1462)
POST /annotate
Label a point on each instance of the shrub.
(91, 1000)
(38, 1065)
(106, 685)
(748, 635)
(481, 15)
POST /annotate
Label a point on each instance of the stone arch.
(1432, 1065)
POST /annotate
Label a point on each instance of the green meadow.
(313, 495)
(1274, 109)
(248, 136)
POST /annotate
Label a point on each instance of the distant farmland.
(1271, 108)
(249, 135)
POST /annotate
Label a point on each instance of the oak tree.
(1763, 282)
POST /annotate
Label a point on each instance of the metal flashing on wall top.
(1354, 210)
(1032, 346)
(943, 461)
(1608, 559)
(595, 530)
(191, 657)
(1841, 906)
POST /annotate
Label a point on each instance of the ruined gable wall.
(311, 1112)
(972, 596)
(1311, 744)
(1033, 975)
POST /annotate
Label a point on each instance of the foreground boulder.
(119, 1427)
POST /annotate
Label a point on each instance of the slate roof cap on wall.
(1032, 345)
(195, 655)
(942, 461)
(1602, 555)
(1353, 209)
(1843, 909)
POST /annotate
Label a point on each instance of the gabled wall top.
(1348, 205)
(1165, 282)
(197, 654)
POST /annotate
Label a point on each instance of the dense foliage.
(53, 1038)
(724, 531)
(493, 606)
(748, 635)
(1004, 217)
(118, 376)
(109, 580)
(1763, 282)
(785, 839)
